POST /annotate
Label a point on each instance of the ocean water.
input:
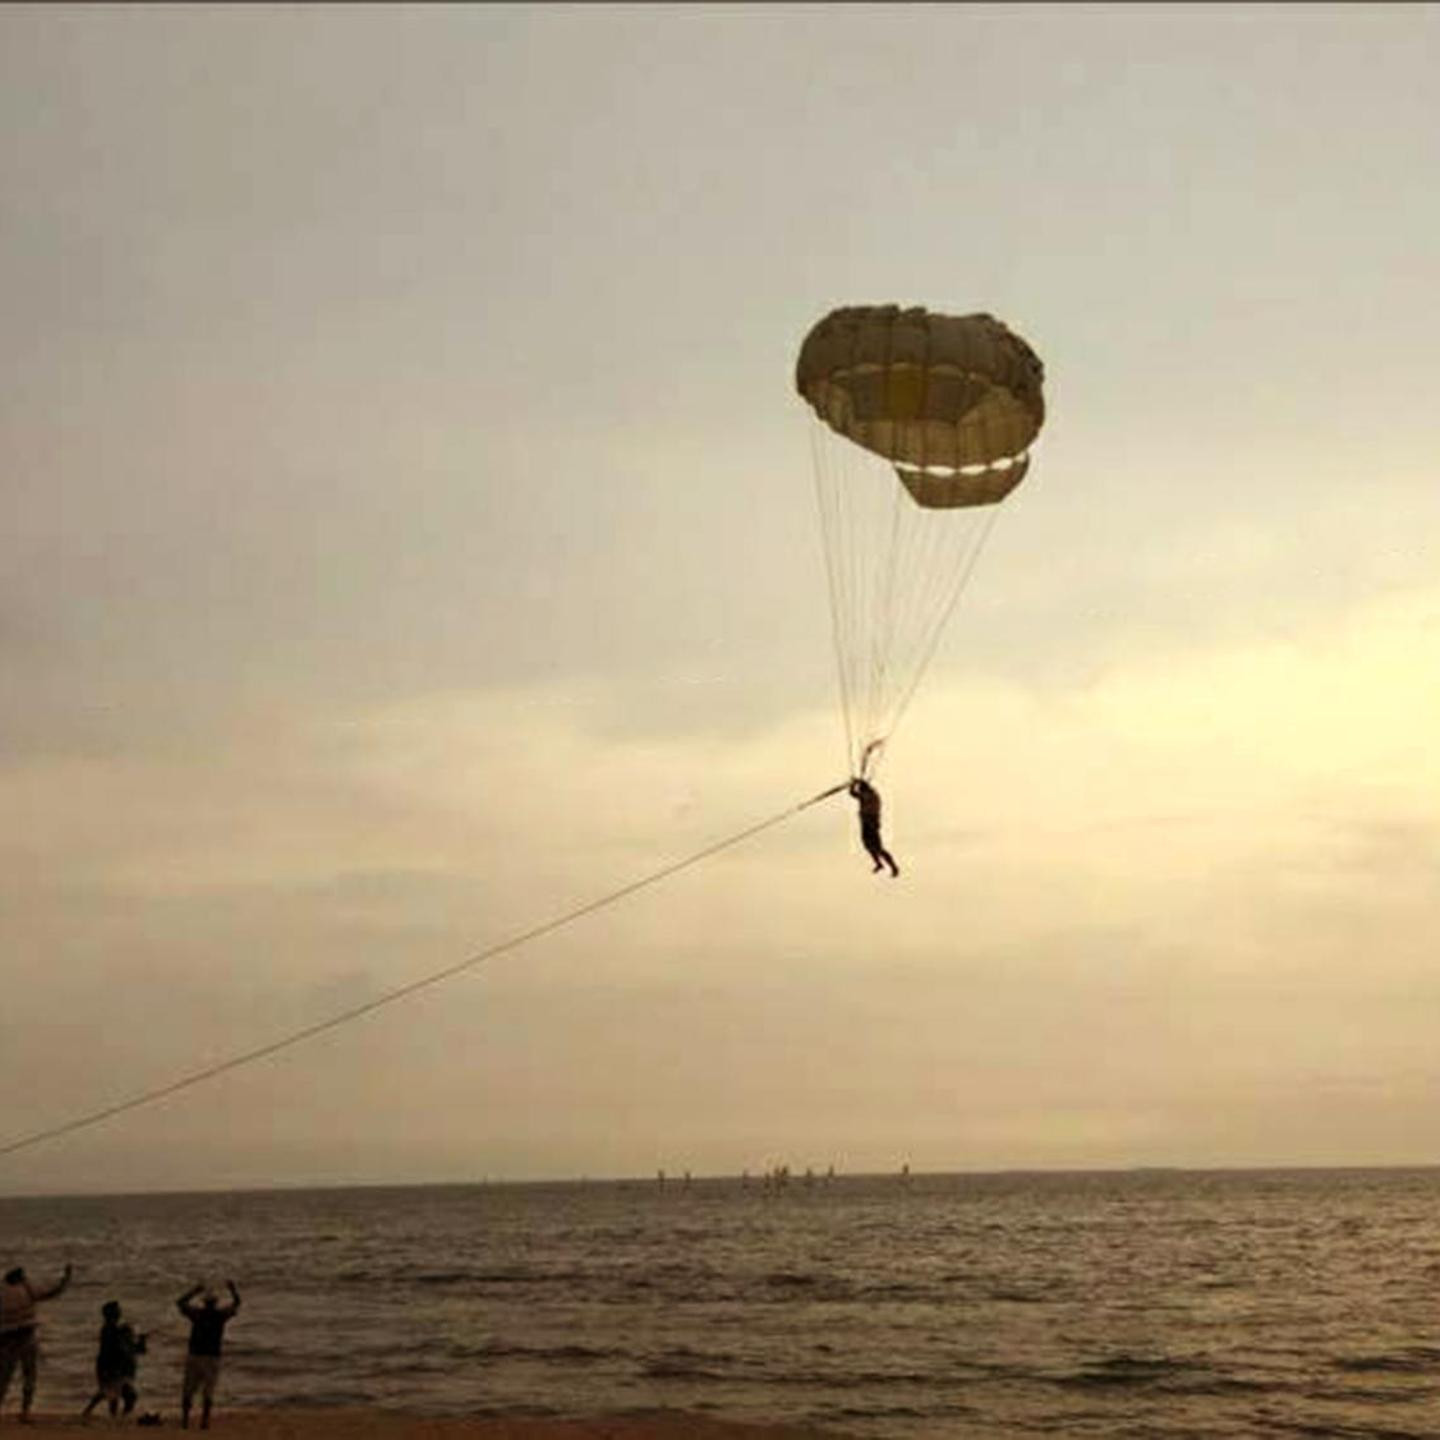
(1154, 1304)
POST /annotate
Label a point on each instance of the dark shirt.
(207, 1326)
(869, 800)
(119, 1345)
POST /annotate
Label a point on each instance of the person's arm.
(183, 1303)
(234, 1304)
(57, 1287)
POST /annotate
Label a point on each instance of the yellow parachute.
(951, 404)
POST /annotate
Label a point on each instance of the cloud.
(1207, 874)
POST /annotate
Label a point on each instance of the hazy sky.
(408, 533)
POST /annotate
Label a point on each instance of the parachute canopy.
(952, 401)
(951, 405)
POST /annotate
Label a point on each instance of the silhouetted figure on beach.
(868, 798)
(202, 1362)
(19, 1339)
(115, 1363)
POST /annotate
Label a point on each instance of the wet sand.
(317, 1424)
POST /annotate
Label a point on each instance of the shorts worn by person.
(19, 1333)
(202, 1361)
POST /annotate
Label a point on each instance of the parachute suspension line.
(887, 616)
(847, 530)
(962, 581)
(830, 544)
(401, 992)
(846, 498)
(896, 571)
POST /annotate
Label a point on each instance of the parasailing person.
(868, 799)
(948, 406)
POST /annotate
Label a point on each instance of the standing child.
(115, 1363)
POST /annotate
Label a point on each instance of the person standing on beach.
(202, 1363)
(19, 1333)
(115, 1363)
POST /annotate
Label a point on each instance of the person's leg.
(128, 1397)
(187, 1394)
(212, 1374)
(8, 1356)
(30, 1375)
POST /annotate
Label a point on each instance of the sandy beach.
(362, 1424)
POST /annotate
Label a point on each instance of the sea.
(1150, 1303)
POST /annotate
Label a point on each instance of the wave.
(681, 1362)
(560, 1354)
(1413, 1360)
(679, 1370)
(311, 1400)
(1013, 1296)
(1121, 1370)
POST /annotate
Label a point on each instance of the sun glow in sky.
(408, 535)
